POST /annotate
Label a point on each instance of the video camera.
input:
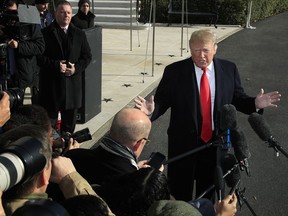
(11, 27)
(80, 136)
(20, 161)
(16, 22)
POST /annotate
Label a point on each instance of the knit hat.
(41, 1)
(172, 208)
(81, 2)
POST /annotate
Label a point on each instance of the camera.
(80, 136)
(16, 97)
(10, 20)
(20, 161)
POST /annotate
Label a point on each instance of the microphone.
(231, 170)
(241, 150)
(228, 118)
(228, 121)
(218, 181)
(262, 129)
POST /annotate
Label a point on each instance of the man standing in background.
(67, 54)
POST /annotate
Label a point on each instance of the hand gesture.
(267, 100)
(146, 106)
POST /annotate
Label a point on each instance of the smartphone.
(156, 160)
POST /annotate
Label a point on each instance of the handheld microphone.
(228, 118)
(241, 150)
(262, 129)
(228, 121)
(218, 181)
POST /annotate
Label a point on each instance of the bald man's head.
(130, 125)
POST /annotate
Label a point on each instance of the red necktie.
(205, 99)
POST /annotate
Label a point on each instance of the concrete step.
(115, 18)
(113, 11)
(118, 25)
(125, 4)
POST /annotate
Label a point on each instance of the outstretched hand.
(267, 100)
(146, 106)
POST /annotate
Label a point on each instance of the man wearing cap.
(45, 15)
(84, 18)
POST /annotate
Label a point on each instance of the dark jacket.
(101, 164)
(178, 90)
(56, 90)
(82, 20)
(31, 44)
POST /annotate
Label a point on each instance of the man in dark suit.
(179, 90)
(67, 54)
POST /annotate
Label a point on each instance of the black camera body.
(59, 146)
(80, 136)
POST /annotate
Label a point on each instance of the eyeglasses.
(147, 141)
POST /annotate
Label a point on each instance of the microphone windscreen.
(218, 178)
(239, 143)
(260, 126)
(228, 161)
(228, 118)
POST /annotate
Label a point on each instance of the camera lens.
(16, 97)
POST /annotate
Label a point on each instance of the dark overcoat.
(178, 91)
(54, 86)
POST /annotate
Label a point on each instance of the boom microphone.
(262, 129)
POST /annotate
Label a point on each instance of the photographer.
(24, 43)
(59, 170)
